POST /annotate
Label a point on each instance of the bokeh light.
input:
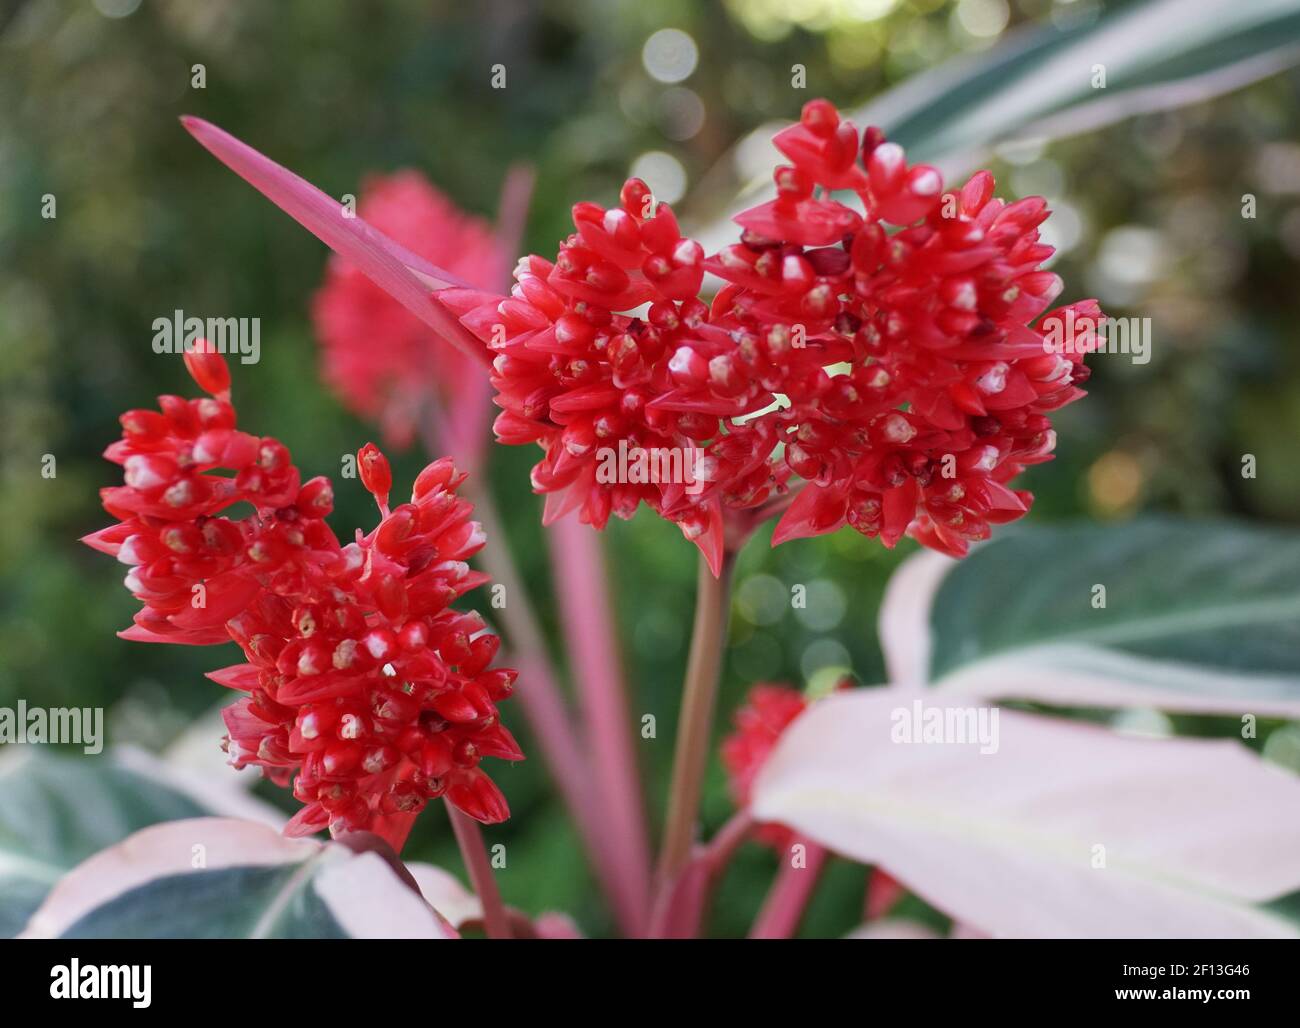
(670, 55)
(663, 173)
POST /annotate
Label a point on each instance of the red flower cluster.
(896, 374)
(363, 686)
(766, 714)
(379, 357)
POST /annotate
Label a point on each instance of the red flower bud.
(375, 473)
(208, 368)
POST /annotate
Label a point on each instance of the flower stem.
(695, 725)
(680, 910)
(587, 618)
(539, 691)
(745, 523)
(549, 715)
(783, 909)
(470, 839)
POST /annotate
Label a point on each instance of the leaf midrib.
(1143, 629)
(279, 904)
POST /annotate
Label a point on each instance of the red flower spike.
(362, 687)
(928, 298)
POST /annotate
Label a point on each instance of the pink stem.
(470, 839)
(695, 722)
(512, 215)
(470, 404)
(882, 892)
(722, 847)
(551, 719)
(539, 690)
(680, 911)
(610, 828)
(586, 615)
(783, 909)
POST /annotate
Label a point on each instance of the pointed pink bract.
(407, 278)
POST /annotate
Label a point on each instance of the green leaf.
(233, 903)
(1039, 83)
(1155, 55)
(221, 878)
(1178, 615)
(55, 811)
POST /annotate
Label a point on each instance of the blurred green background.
(1149, 219)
